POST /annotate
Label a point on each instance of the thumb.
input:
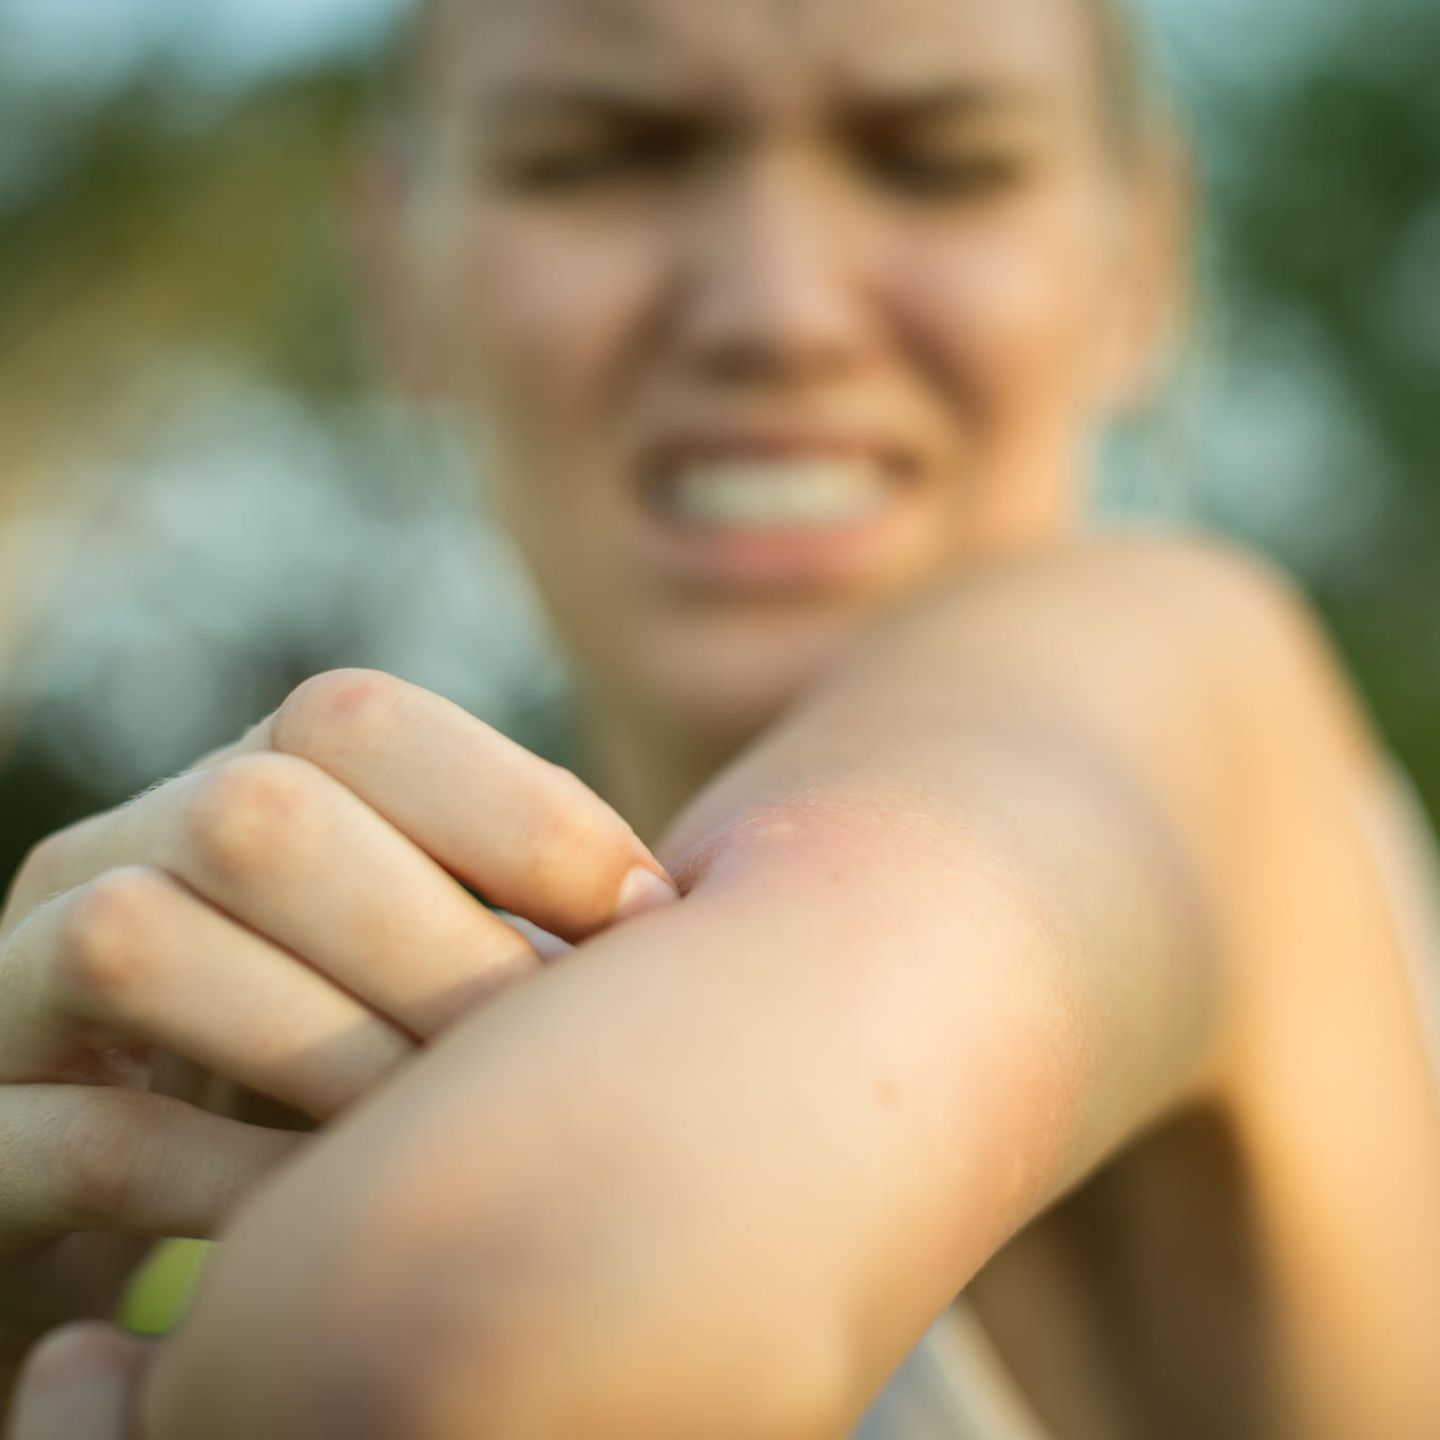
(81, 1383)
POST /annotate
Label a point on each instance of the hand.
(288, 915)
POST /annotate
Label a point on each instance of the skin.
(1046, 910)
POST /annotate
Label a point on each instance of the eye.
(598, 156)
(932, 172)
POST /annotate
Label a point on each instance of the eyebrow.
(545, 100)
(960, 98)
(876, 105)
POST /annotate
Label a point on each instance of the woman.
(1051, 923)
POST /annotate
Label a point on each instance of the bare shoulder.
(1249, 608)
(1333, 896)
(1218, 600)
(1207, 668)
(1187, 609)
(1198, 666)
(1338, 1094)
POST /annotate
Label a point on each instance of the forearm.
(803, 1118)
(723, 1166)
(740, 1140)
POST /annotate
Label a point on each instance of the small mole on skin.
(887, 1093)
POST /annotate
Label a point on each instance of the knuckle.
(45, 859)
(339, 713)
(101, 1159)
(249, 815)
(41, 870)
(108, 933)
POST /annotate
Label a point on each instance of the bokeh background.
(203, 499)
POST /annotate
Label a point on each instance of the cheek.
(541, 320)
(1010, 312)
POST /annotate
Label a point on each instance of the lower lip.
(779, 558)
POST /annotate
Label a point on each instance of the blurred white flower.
(254, 536)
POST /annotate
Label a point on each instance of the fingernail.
(643, 890)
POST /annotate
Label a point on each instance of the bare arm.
(957, 930)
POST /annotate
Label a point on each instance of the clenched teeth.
(777, 494)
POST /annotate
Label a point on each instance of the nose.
(770, 290)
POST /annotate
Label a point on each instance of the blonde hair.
(1135, 97)
(1134, 101)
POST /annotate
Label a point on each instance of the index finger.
(527, 835)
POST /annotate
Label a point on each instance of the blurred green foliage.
(1330, 214)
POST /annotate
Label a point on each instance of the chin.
(722, 680)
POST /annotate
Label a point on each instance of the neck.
(644, 764)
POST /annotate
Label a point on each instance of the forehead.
(739, 48)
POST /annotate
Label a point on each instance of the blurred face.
(766, 313)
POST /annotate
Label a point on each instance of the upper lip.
(770, 443)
